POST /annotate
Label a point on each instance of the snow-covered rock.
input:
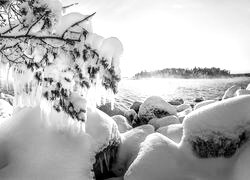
(131, 116)
(181, 115)
(213, 139)
(6, 110)
(129, 147)
(122, 123)
(164, 121)
(203, 103)
(176, 102)
(230, 92)
(136, 106)
(183, 107)
(199, 99)
(240, 92)
(155, 107)
(173, 132)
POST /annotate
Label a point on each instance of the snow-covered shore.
(209, 141)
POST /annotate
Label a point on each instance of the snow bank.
(203, 103)
(155, 107)
(38, 151)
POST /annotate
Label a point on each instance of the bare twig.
(10, 29)
(77, 23)
(65, 7)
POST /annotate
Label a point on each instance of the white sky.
(159, 34)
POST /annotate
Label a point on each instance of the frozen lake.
(187, 89)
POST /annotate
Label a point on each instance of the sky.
(158, 34)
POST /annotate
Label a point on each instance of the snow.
(36, 151)
(230, 92)
(203, 103)
(183, 107)
(153, 103)
(229, 117)
(6, 110)
(101, 127)
(129, 147)
(164, 121)
(122, 123)
(173, 132)
(66, 22)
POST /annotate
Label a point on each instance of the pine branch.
(36, 23)
(77, 23)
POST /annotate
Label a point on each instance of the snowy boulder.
(173, 132)
(131, 116)
(129, 148)
(106, 140)
(220, 129)
(199, 99)
(6, 110)
(155, 107)
(165, 121)
(136, 106)
(203, 103)
(230, 92)
(183, 107)
(122, 123)
(240, 92)
(176, 102)
(213, 140)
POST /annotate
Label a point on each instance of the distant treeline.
(196, 72)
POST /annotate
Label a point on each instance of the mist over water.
(168, 89)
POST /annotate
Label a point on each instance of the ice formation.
(122, 123)
(230, 92)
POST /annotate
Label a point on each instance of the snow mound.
(158, 158)
(164, 121)
(129, 147)
(203, 103)
(37, 151)
(218, 129)
(155, 107)
(173, 132)
(122, 123)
